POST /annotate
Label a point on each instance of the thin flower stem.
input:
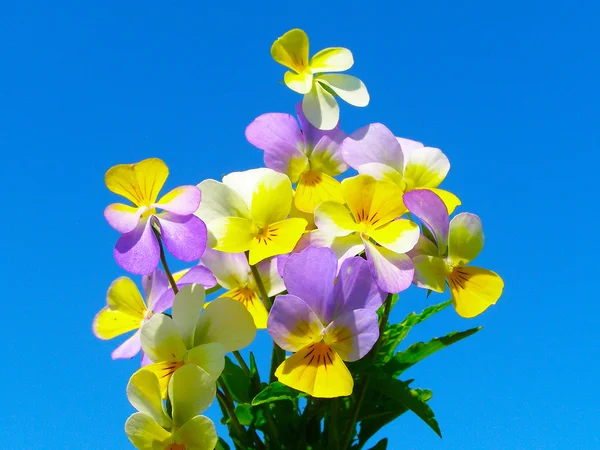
(362, 390)
(261, 288)
(242, 363)
(163, 260)
(225, 400)
(333, 419)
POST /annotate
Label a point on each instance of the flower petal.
(465, 238)
(124, 311)
(291, 50)
(334, 59)
(293, 324)
(140, 182)
(143, 392)
(409, 146)
(344, 247)
(426, 168)
(348, 88)
(430, 272)
(269, 274)
(321, 108)
(199, 433)
(250, 298)
(271, 199)
(333, 219)
(315, 188)
(450, 200)
(317, 370)
(230, 269)
(123, 218)
(374, 143)
(196, 275)
(187, 306)
(184, 236)
(245, 183)
(428, 207)
(161, 340)
(232, 234)
(280, 238)
(279, 136)
(474, 290)
(311, 134)
(219, 319)
(393, 272)
(399, 236)
(210, 357)
(155, 285)
(219, 201)
(310, 275)
(183, 200)
(299, 82)
(356, 288)
(353, 334)
(191, 391)
(144, 432)
(381, 171)
(137, 251)
(326, 157)
(129, 348)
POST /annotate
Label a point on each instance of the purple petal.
(196, 275)
(310, 275)
(123, 218)
(432, 211)
(408, 146)
(373, 144)
(278, 135)
(129, 348)
(137, 251)
(353, 334)
(145, 359)
(183, 200)
(281, 261)
(155, 285)
(292, 323)
(393, 272)
(312, 135)
(356, 287)
(184, 236)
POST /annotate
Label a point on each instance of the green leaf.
(395, 333)
(236, 381)
(409, 398)
(244, 413)
(276, 391)
(416, 352)
(381, 445)
(222, 445)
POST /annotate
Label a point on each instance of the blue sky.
(508, 90)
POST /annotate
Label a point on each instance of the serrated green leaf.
(236, 381)
(276, 391)
(244, 413)
(409, 398)
(417, 352)
(381, 445)
(395, 333)
(222, 445)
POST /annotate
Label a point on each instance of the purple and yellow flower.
(195, 334)
(126, 309)
(309, 78)
(191, 391)
(307, 155)
(369, 221)
(233, 273)
(457, 242)
(249, 211)
(324, 322)
(374, 150)
(184, 235)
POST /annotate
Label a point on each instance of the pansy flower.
(195, 335)
(191, 391)
(184, 235)
(126, 310)
(324, 322)
(375, 151)
(457, 242)
(307, 155)
(232, 272)
(308, 77)
(249, 211)
(370, 221)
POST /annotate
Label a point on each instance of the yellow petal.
(474, 289)
(334, 219)
(426, 167)
(315, 188)
(250, 299)
(144, 433)
(232, 234)
(317, 370)
(291, 50)
(334, 59)
(163, 371)
(372, 202)
(450, 200)
(124, 312)
(140, 182)
(299, 82)
(277, 239)
(399, 236)
(143, 392)
(271, 199)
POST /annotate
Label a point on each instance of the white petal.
(349, 88)
(191, 391)
(161, 340)
(187, 307)
(321, 108)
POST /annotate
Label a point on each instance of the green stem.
(163, 260)
(224, 397)
(362, 390)
(242, 363)
(261, 288)
(333, 419)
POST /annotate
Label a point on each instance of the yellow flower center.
(319, 353)
(244, 295)
(265, 235)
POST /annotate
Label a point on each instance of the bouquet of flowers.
(315, 259)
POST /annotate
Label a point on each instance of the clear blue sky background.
(509, 90)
